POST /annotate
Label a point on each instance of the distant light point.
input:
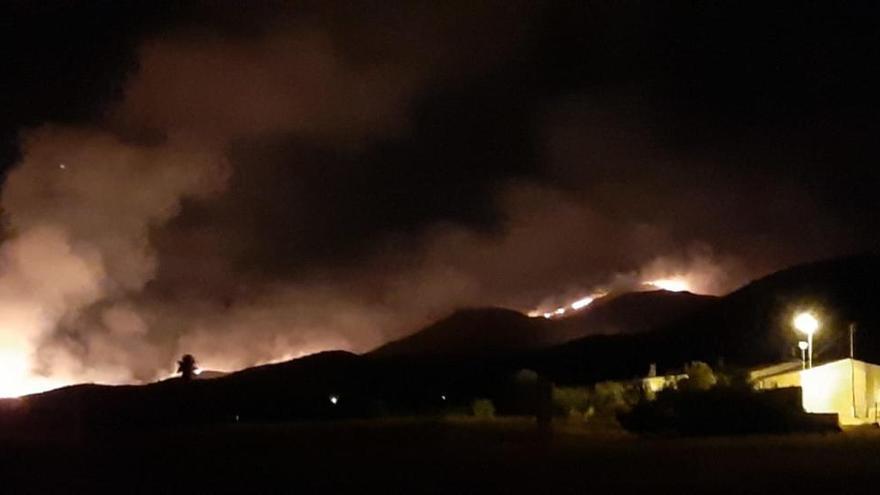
(806, 323)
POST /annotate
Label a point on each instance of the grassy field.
(424, 456)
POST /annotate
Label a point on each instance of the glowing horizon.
(676, 284)
(17, 378)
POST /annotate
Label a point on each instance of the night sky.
(256, 184)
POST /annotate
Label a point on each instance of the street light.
(802, 345)
(807, 324)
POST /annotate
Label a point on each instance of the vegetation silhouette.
(483, 409)
(187, 367)
(725, 410)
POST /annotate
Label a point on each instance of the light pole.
(807, 324)
(802, 345)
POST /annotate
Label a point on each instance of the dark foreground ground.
(503, 456)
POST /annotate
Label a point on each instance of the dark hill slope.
(295, 390)
(474, 332)
(632, 312)
(750, 326)
(747, 327)
(492, 332)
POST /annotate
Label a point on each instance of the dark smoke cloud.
(315, 72)
(287, 82)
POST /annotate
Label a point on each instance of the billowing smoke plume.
(79, 209)
(550, 250)
(338, 179)
(83, 205)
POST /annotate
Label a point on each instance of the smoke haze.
(334, 176)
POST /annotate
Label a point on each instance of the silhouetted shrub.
(523, 395)
(186, 366)
(611, 398)
(723, 411)
(526, 377)
(700, 377)
(483, 409)
(571, 401)
(544, 411)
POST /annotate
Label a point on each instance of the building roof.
(789, 366)
(774, 369)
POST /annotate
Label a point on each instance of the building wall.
(782, 380)
(828, 389)
(847, 387)
(868, 406)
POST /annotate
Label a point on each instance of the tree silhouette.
(187, 366)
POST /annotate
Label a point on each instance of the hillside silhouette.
(748, 327)
(474, 332)
(488, 332)
(630, 312)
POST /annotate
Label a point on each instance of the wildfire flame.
(577, 305)
(17, 379)
(676, 284)
(582, 303)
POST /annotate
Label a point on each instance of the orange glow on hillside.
(676, 284)
(572, 307)
(17, 378)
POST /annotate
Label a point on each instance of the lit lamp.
(807, 324)
(802, 345)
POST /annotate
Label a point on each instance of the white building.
(848, 387)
